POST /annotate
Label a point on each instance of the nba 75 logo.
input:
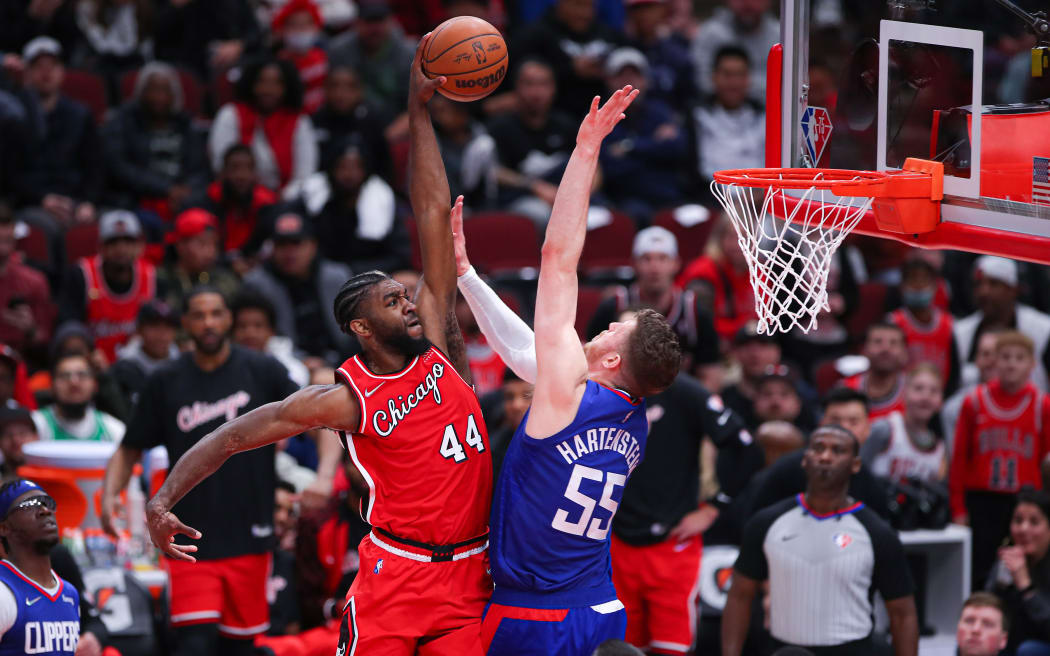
(477, 52)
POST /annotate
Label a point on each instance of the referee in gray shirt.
(824, 555)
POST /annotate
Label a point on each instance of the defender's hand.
(600, 121)
(459, 240)
(164, 526)
(420, 87)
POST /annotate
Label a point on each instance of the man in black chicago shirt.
(218, 603)
(657, 543)
(824, 555)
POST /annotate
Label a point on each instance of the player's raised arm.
(331, 406)
(561, 363)
(428, 191)
(504, 330)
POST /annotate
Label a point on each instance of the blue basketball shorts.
(517, 631)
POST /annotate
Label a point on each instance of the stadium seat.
(88, 89)
(221, 90)
(871, 307)
(413, 236)
(34, 246)
(692, 238)
(826, 375)
(81, 241)
(192, 91)
(586, 303)
(502, 243)
(607, 252)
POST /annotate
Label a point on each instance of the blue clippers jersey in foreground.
(48, 625)
(555, 500)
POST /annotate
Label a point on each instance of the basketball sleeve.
(146, 429)
(506, 332)
(891, 575)
(961, 457)
(8, 609)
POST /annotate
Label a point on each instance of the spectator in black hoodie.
(153, 155)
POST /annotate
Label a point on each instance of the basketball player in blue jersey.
(39, 612)
(584, 433)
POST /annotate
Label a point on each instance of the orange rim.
(797, 178)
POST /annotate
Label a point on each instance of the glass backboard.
(866, 85)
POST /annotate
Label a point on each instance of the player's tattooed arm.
(457, 349)
(317, 406)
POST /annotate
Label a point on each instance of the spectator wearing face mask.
(927, 328)
(297, 25)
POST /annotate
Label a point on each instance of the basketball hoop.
(790, 222)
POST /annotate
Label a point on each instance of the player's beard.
(410, 346)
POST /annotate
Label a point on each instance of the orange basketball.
(470, 53)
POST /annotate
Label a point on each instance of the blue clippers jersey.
(48, 625)
(555, 500)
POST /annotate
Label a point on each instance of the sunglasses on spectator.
(40, 500)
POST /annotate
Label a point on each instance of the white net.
(789, 238)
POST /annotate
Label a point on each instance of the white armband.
(505, 331)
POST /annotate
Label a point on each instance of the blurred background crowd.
(260, 147)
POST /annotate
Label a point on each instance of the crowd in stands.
(259, 147)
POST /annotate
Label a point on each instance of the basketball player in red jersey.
(412, 426)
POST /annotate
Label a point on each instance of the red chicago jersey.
(423, 449)
(930, 342)
(110, 316)
(878, 408)
(1000, 441)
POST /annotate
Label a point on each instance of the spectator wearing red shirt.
(1002, 435)
(106, 291)
(721, 281)
(26, 312)
(927, 328)
(237, 199)
(883, 382)
(268, 116)
(298, 27)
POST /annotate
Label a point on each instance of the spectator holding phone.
(1021, 576)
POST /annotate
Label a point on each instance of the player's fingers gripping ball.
(470, 53)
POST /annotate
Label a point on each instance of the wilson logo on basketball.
(484, 82)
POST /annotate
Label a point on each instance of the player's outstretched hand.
(420, 87)
(459, 240)
(600, 121)
(164, 526)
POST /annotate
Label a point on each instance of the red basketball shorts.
(399, 605)
(659, 586)
(230, 592)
